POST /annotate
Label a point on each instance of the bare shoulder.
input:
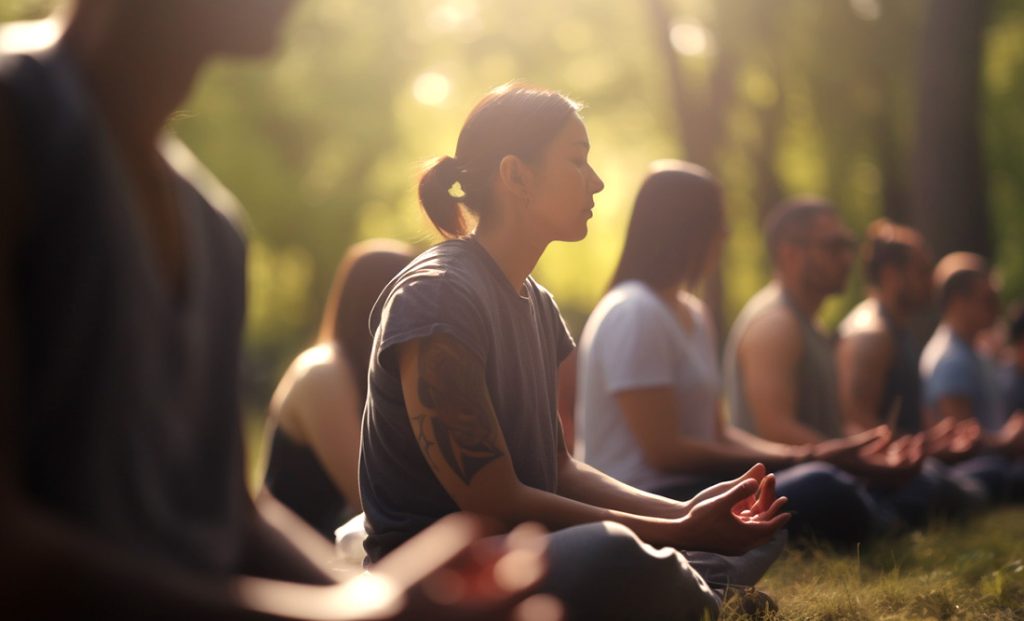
(305, 374)
(864, 336)
(773, 333)
(865, 319)
(321, 368)
(314, 360)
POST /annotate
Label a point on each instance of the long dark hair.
(362, 274)
(677, 214)
(513, 119)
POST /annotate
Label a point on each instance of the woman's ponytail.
(443, 209)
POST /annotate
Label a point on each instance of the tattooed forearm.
(452, 386)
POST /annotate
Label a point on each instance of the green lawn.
(971, 571)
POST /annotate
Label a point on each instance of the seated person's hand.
(735, 516)
(845, 451)
(762, 505)
(1010, 437)
(892, 464)
(451, 571)
(876, 456)
(757, 472)
(953, 440)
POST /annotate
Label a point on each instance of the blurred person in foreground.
(648, 398)
(313, 423)
(121, 309)
(958, 382)
(780, 368)
(461, 412)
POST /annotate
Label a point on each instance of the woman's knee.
(605, 568)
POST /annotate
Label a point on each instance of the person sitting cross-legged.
(461, 412)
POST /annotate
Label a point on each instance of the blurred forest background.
(907, 108)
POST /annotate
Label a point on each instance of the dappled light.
(431, 88)
(691, 39)
(322, 143)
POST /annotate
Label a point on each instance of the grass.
(965, 572)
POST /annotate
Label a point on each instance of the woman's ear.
(515, 176)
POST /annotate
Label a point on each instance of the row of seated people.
(648, 387)
(858, 452)
(122, 272)
(123, 302)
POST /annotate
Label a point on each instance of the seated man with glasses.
(779, 365)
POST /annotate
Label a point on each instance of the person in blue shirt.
(958, 383)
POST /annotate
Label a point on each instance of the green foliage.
(24, 9)
(323, 141)
(1003, 134)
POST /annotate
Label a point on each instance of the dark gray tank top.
(817, 396)
(902, 384)
(128, 419)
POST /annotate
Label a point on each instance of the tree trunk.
(699, 116)
(949, 194)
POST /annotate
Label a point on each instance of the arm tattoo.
(452, 386)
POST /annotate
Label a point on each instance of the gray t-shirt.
(457, 289)
(633, 341)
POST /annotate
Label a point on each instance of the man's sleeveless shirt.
(816, 393)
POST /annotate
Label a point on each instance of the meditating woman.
(461, 410)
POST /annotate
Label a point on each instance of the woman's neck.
(514, 252)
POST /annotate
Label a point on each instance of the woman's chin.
(578, 235)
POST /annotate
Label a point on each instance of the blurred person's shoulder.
(223, 205)
(864, 320)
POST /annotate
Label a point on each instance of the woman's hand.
(763, 505)
(732, 517)
(756, 472)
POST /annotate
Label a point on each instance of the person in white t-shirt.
(648, 381)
